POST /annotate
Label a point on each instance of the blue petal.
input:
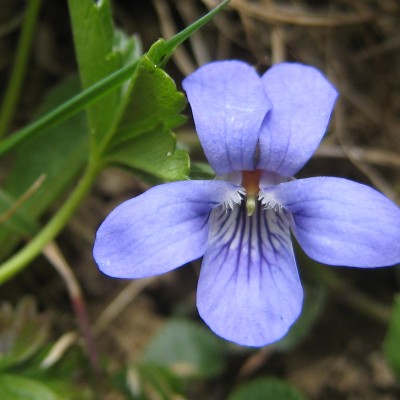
(228, 104)
(162, 229)
(302, 101)
(249, 290)
(340, 222)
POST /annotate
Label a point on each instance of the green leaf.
(24, 346)
(143, 139)
(391, 343)
(60, 376)
(147, 381)
(126, 48)
(155, 154)
(100, 50)
(13, 387)
(266, 389)
(153, 101)
(158, 51)
(22, 332)
(59, 154)
(201, 170)
(187, 349)
(93, 33)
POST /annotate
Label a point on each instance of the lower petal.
(340, 222)
(249, 290)
(160, 230)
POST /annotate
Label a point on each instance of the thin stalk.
(53, 253)
(13, 90)
(70, 107)
(179, 38)
(20, 260)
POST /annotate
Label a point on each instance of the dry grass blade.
(58, 349)
(297, 16)
(120, 302)
(18, 203)
(380, 157)
(373, 175)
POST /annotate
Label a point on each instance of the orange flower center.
(251, 184)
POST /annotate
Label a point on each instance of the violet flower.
(256, 133)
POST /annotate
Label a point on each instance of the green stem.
(21, 259)
(70, 107)
(179, 38)
(13, 90)
(99, 89)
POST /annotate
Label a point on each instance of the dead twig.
(55, 257)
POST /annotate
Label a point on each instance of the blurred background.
(356, 43)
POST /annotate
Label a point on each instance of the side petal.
(228, 105)
(249, 290)
(302, 100)
(340, 222)
(160, 230)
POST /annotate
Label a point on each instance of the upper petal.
(228, 105)
(162, 229)
(249, 290)
(340, 222)
(302, 100)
